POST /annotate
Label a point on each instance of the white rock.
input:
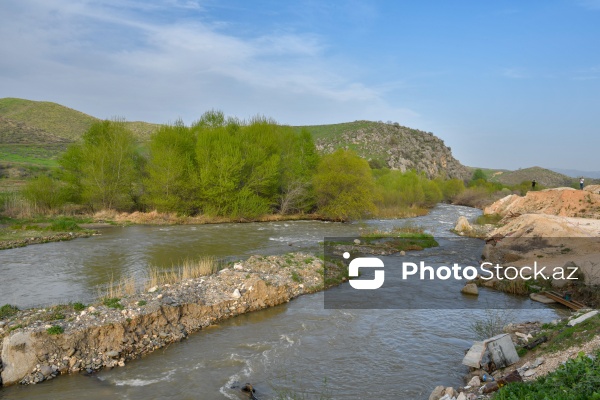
(470, 288)
(153, 289)
(462, 225)
(91, 309)
(356, 241)
(238, 267)
(461, 396)
(575, 321)
(160, 296)
(236, 294)
(474, 382)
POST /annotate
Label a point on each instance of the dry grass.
(128, 286)
(190, 269)
(15, 206)
(124, 287)
(513, 286)
(397, 211)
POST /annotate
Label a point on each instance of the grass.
(55, 330)
(577, 379)
(484, 219)
(8, 310)
(190, 269)
(296, 278)
(113, 302)
(79, 306)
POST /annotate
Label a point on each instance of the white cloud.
(112, 57)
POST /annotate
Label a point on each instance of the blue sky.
(506, 84)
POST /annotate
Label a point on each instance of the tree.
(170, 172)
(103, 169)
(344, 186)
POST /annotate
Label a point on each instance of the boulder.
(462, 225)
(18, 357)
(470, 288)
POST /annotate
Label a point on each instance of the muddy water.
(298, 350)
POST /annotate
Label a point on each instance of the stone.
(462, 225)
(437, 393)
(578, 320)
(153, 289)
(541, 298)
(236, 294)
(356, 241)
(538, 361)
(471, 289)
(450, 392)
(46, 370)
(461, 396)
(529, 373)
(475, 382)
(112, 354)
(18, 357)
(238, 267)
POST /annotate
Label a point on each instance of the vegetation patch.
(8, 310)
(55, 330)
(578, 378)
(113, 302)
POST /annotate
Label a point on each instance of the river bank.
(23, 232)
(41, 344)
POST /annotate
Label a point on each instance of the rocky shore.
(41, 344)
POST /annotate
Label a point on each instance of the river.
(299, 350)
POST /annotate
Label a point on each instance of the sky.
(505, 84)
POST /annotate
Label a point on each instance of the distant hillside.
(543, 176)
(51, 119)
(574, 173)
(390, 145)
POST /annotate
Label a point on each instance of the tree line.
(222, 166)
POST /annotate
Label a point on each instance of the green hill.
(543, 176)
(54, 119)
(390, 145)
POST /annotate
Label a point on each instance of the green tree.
(170, 171)
(344, 186)
(103, 170)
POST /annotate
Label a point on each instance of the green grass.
(7, 311)
(296, 278)
(113, 302)
(492, 219)
(55, 330)
(79, 306)
(40, 155)
(577, 379)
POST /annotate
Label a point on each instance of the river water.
(299, 350)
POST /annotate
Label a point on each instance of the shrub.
(45, 193)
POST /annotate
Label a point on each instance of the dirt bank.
(40, 344)
(564, 202)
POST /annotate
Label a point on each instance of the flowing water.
(299, 350)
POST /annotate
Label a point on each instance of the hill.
(543, 176)
(390, 145)
(53, 119)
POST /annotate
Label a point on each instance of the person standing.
(533, 184)
(581, 183)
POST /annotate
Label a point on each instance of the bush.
(64, 224)
(45, 193)
(344, 186)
